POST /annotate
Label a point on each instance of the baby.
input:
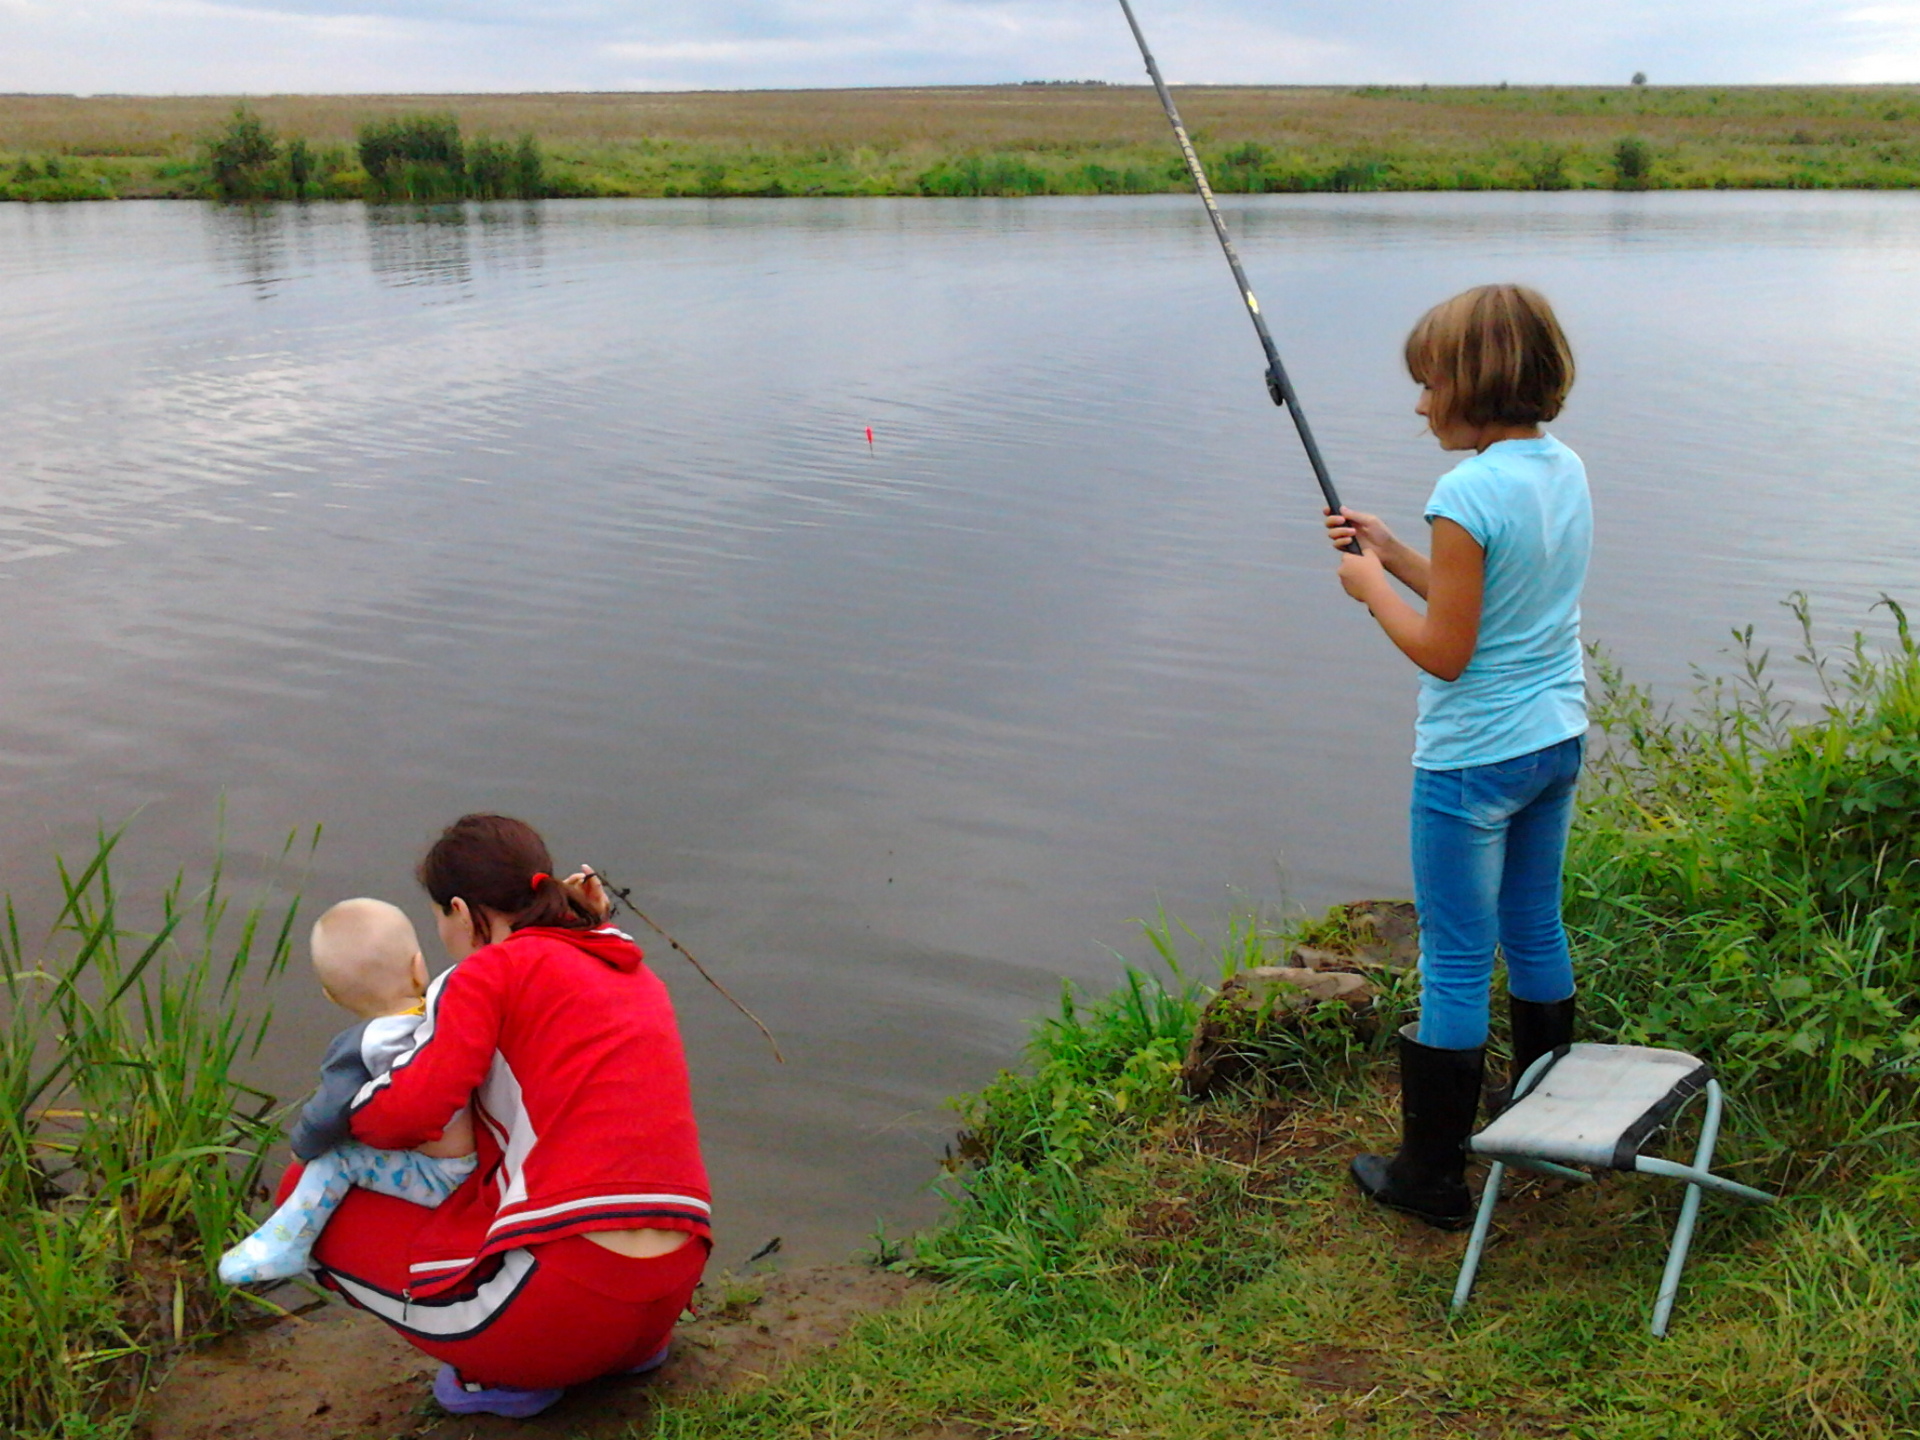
(368, 962)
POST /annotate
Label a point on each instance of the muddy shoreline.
(340, 1374)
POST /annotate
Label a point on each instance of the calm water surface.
(368, 518)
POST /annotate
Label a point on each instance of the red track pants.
(552, 1315)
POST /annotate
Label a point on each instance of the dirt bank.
(339, 1374)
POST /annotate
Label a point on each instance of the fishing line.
(1278, 385)
(625, 897)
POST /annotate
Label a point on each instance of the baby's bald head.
(368, 958)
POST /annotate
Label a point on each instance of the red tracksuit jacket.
(566, 1047)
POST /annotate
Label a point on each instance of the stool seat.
(1597, 1106)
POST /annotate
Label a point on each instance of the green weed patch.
(130, 1153)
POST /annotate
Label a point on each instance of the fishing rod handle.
(1281, 389)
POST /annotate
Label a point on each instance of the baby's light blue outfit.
(335, 1163)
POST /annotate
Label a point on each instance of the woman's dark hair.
(500, 864)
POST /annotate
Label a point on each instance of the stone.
(1259, 1003)
(1384, 936)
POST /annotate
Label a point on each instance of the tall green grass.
(129, 1150)
(1102, 1073)
(1744, 882)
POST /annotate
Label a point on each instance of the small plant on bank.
(975, 175)
(1546, 168)
(1356, 174)
(241, 158)
(425, 158)
(499, 171)
(300, 166)
(529, 169)
(1632, 164)
(1243, 169)
(489, 169)
(415, 157)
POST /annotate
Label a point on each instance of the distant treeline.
(1013, 140)
(407, 157)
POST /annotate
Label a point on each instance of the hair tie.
(538, 876)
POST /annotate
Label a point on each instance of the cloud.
(422, 45)
(1889, 46)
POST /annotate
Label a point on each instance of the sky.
(334, 46)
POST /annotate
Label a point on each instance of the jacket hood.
(609, 946)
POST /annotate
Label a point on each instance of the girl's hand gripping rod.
(1278, 385)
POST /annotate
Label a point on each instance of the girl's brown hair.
(501, 864)
(1494, 355)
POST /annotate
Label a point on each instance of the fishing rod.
(1278, 385)
(624, 895)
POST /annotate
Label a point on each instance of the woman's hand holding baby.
(456, 1140)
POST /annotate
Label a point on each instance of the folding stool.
(1596, 1105)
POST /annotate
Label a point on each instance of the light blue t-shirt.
(1525, 502)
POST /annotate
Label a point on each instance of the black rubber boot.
(1439, 1098)
(1537, 1030)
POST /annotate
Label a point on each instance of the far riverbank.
(1051, 139)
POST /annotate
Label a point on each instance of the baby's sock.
(280, 1248)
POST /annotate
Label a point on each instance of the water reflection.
(262, 247)
(419, 244)
(249, 243)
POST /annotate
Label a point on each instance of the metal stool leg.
(1482, 1222)
(1689, 1211)
(1490, 1194)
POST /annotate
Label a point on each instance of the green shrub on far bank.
(424, 158)
(242, 158)
(421, 158)
(300, 166)
(1632, 164)
(975, 175)
(130, 1152)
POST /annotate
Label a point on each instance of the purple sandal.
(653, 1362)
(465, 1397)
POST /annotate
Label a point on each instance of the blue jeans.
(1488, 844)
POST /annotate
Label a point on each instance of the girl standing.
(1502, 717)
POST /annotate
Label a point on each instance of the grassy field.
(1122, 1262)
(1020, 139)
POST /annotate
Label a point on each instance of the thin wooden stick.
(625, 897)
